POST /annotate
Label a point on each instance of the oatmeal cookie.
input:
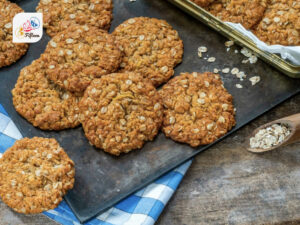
(280, 24)
(34, 175)
(9, 52)
(246, 12)
(151, 47)
(198, 109)
(61, 14)
(121, 111)
(43, 103)
(79, 54)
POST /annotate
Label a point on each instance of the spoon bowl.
(292, 122)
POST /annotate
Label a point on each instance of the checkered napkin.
(141, 208)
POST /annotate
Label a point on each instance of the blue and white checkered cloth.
(141, 208)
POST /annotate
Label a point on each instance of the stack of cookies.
(272, 21)
(107, 82)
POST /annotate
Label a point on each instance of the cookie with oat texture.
(120, 112)
(35, 174)
(197, 108)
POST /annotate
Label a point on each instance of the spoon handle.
(294, 122)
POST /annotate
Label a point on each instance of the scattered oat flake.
(239, 86)
(211, 59)
(227, 49)
(225, 70)
(270, 136)
(200, 54)
(234, 70)
(202, 49)
(246, 52)
(253, 59)
(241, 75)
(132, 0)
(216, 70)
(229, 43)
(236, 51)
(254, 80)
(245, 61)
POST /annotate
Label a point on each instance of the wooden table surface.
(228, 185)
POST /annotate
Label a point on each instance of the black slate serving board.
(101, 179)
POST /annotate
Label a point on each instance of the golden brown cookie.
(246, 12)
(35, 174)
(151, 47)
(198, 109)
(61, 14)
(43, 103)
(74, 57)
(9, 52)
(120, 112)
(280, 24)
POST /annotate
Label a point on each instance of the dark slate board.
(101, 179)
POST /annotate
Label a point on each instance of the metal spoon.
(292, 122)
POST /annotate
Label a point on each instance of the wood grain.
(228, 185)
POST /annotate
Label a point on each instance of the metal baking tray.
(223, 28)
(103, 180)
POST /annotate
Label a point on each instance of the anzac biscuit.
(9, 52)
(246, 12)
(43, 103)
(76, 56)
(35, 174)
(121, 111)
(198, 109)
(151, 47)
(61, 14)
(280, 24)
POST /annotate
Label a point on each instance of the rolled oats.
(270, 136)
(254, 80)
